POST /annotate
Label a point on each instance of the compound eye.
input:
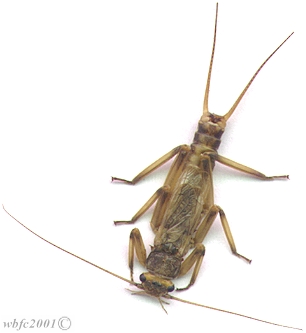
(142, 278)
(170, 289)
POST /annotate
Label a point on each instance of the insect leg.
(243, 168)
(229, 235)
(162, 160)
(207, 223)
(195, 257)
(136, 243)
(163, 190)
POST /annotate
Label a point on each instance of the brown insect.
(185, 208)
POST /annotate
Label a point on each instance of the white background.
(91, 89)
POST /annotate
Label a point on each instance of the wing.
(191, 196)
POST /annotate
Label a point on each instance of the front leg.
(136, 243)
(243, 168)
(195, 258)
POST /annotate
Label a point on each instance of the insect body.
(185, 208)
